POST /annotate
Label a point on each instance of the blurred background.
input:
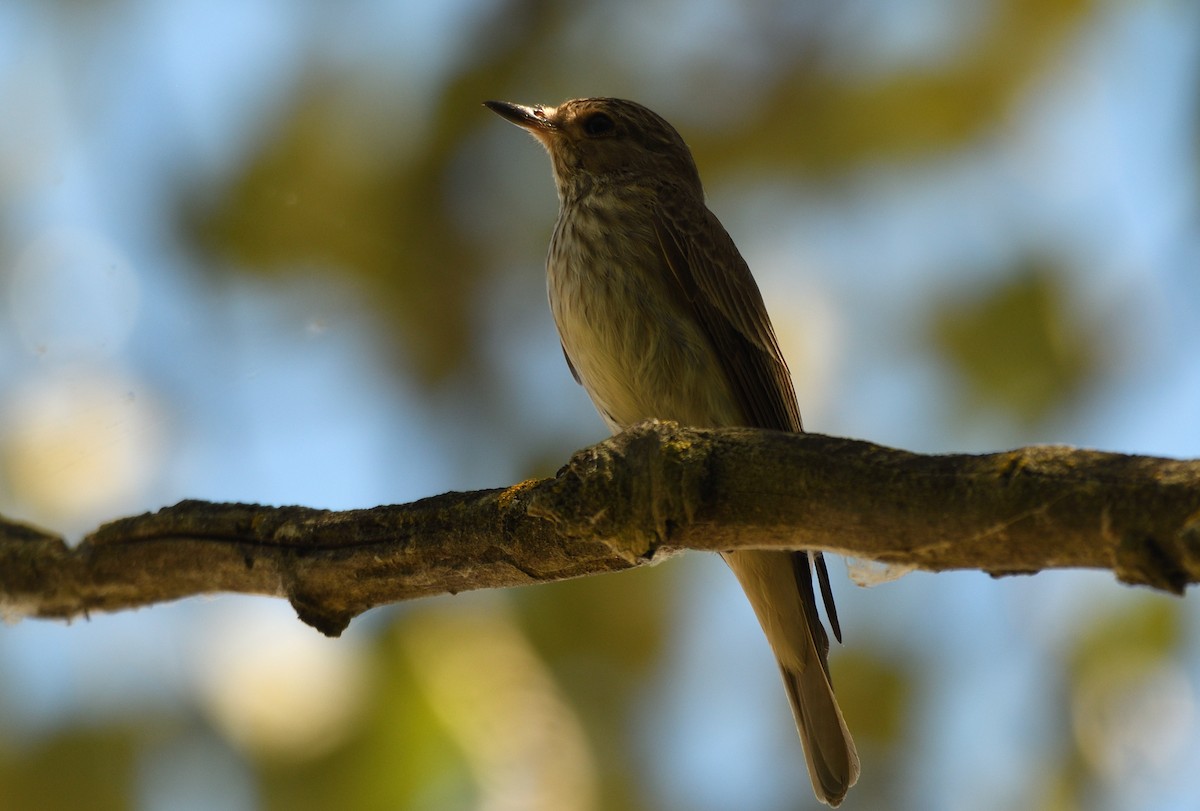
(277, 252)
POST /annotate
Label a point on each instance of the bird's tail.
(779, 586)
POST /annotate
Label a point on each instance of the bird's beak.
(538, 120)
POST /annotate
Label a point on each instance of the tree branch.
(629, 501)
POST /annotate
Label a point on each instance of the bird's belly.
(636, 352)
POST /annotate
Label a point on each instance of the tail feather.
(779, 586)
(828, 747)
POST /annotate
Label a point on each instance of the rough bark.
(632, 500)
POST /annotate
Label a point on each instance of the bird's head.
(603, 141)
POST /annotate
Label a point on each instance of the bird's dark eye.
(598, 124)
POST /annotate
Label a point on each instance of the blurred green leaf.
(1151, 626)
(876, 695)
(80, 767)
(604, 638)
(828, 122)
(401, 757)
(1017, 348)
(314, 197)
(1126, 693)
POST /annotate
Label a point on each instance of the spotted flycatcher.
(659, 317)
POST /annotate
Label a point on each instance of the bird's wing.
(570, 365)
(715, 284)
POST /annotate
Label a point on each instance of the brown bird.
(659, 317)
